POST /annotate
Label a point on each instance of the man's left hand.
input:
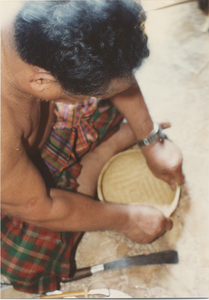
(165, 161)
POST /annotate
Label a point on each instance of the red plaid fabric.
(35, 259)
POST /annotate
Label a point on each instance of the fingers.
(177, 177)
(173, 185)
(180, 178)
(147, 224)
(165, 161)
(169, 224)
(172, 182)
(164, 124)
(177, 173)
(174, 177)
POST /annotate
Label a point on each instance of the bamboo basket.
(126, 179)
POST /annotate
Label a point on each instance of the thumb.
(173, 185)
(169, 224)
(164, 124)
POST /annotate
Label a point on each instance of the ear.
(39, 81)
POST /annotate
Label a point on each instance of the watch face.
(156, 127)
(161, 133)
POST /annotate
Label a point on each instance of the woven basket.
(126, 179)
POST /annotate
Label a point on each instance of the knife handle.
(80, 273)
(64, 295)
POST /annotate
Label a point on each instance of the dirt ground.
(175, 83)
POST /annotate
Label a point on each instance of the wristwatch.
(156, 134)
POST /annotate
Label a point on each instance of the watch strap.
(156, 134)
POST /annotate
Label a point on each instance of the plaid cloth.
(35, 259)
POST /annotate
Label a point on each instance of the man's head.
(84, 44)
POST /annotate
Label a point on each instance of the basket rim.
(174, 203)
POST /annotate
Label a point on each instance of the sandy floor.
(174, 81)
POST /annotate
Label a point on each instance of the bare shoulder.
(21, 183)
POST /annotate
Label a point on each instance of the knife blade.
(158, 258)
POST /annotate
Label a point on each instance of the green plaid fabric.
(35, 259)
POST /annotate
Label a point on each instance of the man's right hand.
(146, 224)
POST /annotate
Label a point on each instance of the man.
(56, 54)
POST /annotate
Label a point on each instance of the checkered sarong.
(35, 259)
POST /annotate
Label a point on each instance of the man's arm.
(24, 195)
(164, 159)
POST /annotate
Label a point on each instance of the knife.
(164, 257)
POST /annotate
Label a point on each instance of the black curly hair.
(84, 44)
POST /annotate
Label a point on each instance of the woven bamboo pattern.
(127, 179)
